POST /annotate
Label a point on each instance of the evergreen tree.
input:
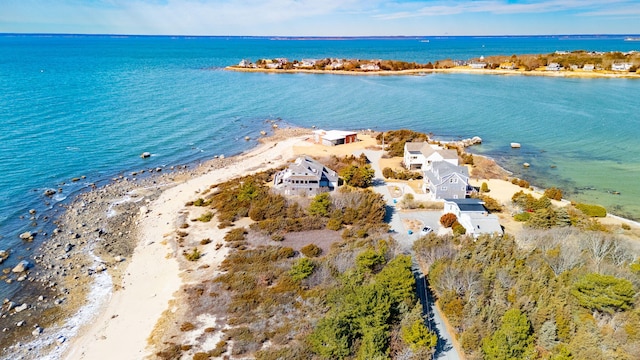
(512, 341)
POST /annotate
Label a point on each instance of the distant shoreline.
(455, 70)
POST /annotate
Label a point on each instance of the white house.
(621, 66)
(443, 180)
(419, 155)
(554, 67)
(305, 177)
(369, 67)
(244, 63)
(475, 218)
(477, 65)
(588, 67)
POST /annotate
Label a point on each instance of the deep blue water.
(90, 105)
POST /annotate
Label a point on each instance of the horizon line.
(327, 37)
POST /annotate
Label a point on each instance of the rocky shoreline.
(90, 247)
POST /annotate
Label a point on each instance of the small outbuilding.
(334, 137)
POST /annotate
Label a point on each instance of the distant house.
(477, 65)
(508, 65)
(443, 180)
(369, 67)
(553, 67)
(621, 66)
(305, 177)
(459, 63)
(306, 63)
(475, 218)
(335, 65)
(419, 155)
(588, 67)
(244, 63)
(334, 137)
(574, 67)
(274, 65)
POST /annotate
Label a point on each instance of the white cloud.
(440, 8)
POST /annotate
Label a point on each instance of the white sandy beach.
(121, 329)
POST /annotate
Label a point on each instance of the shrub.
(311, 250)
(592, 210)
(626, 226)
(201, 356)
(205, 241)
(604, 293)
(206, 217)
(320, 205)
(187, 326)
(522, 217)
(458, 229)
(484, 188)
(491, 204)
(236, 234)
(553, 193)
(388, 173)
(448, 219)
(194, 255)
(301, 269)
(277, 237)
(523, 183)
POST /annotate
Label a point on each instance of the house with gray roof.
(475, 218)
(444, 180)
(304, 177)
(420, 155)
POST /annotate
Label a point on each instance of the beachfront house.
(477, 65)
(508, 65)
(334, 137)
(553, 67)
(369, 67)
(588, 67)
(304, 177)
(621, 66)
(444, 180)
(244, 63)
(419, 155)
(475, 218)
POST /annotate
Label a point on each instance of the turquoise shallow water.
(90, 105)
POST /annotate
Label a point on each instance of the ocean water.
(73, 106)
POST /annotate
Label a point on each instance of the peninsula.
(588, 64)
(251, 257)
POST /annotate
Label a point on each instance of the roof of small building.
(485, 224)
(334, 134)
(469, 205)
(428, 149)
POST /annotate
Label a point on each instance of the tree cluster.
(554, 294)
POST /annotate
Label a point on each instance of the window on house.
(454, 180)
(444, 188)
(455, 196)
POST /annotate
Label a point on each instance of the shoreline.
(145, 279)
(606, 74)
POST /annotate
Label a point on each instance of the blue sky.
(321, 17)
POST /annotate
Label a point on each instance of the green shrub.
(523, 183)
(626, 226)
(206, 217)
(553, 193)
(592, 210)
(484, 188)
(388, 173)
(448, 219)
(301, 269)
(458, 229)
(522, 217)
(604, 293)
(320, 205)
(311, 250)
(194, 255)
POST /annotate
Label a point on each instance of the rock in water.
(145, 155)
(21, 267)
(27, 235)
